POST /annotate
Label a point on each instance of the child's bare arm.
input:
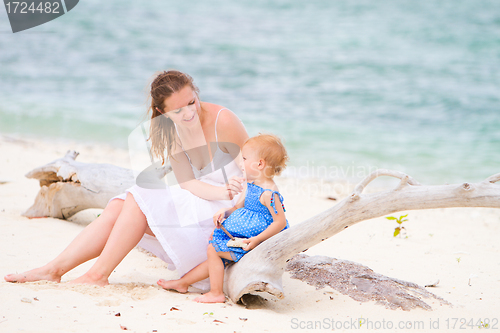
(225, 212)
(278, 224)
(241, 200)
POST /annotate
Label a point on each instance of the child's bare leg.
(87, 245)
(127, 231)
(181, 285)
(216, 271)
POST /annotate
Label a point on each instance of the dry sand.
(457, 246)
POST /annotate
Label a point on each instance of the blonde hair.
(270, 149)
(162, 131)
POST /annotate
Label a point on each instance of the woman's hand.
(252, 242)
(219, 217)
(234, 187)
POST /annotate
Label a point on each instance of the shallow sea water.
(350, 86)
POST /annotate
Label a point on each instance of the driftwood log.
(262, 268)
(360, 282)
(69, 186)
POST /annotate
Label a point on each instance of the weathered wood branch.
(261, 269)
(405, 179)
(493, 179)
(360, 282)
(69, 186)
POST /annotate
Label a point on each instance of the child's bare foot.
(91, 279)
(173, 285)
(37, 274)
(211, 298)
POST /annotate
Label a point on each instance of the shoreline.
(458, 246)
(308, 171)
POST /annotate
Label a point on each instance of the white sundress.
(181, 221)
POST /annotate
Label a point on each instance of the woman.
(202, 141)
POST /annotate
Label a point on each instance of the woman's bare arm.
(185, 178)
(231, 134)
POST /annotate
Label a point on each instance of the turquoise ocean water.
(350, 85)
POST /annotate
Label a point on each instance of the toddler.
(256, 218)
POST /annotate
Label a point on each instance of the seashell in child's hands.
(237, 242)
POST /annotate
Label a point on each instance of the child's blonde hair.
(270, 149)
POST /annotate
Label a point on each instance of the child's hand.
(219, 217)
(251, 243)
(234, 186)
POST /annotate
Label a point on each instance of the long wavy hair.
(162, 130)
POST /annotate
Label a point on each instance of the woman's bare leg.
(128, 230)
(181, 285)
(87, 245)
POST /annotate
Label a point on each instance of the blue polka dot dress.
(245, 222)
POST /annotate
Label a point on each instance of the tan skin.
(255, 171)
(197, 132)
(122, 224)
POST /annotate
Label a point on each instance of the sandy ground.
(457, 246)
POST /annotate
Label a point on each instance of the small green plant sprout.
(400, 220)
(458, 259)
(210, 314)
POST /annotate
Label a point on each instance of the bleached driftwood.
(262, 268)
(360, 282)
(68, 186)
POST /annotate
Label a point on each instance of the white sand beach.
(459, 247)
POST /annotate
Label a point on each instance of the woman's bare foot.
(37, 274)
(91, 279)
(211, 298)
(176, 285)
